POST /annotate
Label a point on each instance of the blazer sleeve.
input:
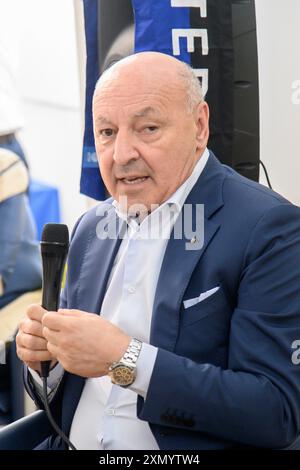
(256, 401)
(31, 386)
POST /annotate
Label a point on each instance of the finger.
(53, 349)
(32, 342)
(27, 355)
(53, 321)
(51, 335)
(31, 327)
(35, 312)
(71, 312)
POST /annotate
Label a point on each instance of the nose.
(124, 148)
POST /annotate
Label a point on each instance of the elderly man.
(193, 345)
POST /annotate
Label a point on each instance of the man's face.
(146, 141)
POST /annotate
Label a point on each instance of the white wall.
(49, 86)
(279, 68)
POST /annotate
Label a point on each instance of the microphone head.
(55, 233)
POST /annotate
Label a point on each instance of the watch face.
(122, 375)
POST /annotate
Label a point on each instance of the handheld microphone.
(54, 250)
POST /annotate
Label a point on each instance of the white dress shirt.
(106, 415)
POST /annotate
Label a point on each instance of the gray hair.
(185, 72)
(192, 85)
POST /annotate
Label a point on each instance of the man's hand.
(84, 343)
(31, 344)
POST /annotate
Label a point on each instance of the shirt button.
(111, 411)
(131, 289)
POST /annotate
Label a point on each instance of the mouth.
(132, 180)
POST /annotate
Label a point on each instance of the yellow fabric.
(15, 178)
(13, 313)
(64, 276)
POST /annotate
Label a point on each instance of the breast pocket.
(213, 304)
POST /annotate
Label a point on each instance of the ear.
(202, 124)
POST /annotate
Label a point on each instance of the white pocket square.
(190, 302)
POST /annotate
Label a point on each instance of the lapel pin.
(194, 240)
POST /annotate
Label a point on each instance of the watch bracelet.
(132, 352)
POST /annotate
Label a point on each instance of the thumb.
(70, 312)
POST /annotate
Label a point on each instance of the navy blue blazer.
(223, 376)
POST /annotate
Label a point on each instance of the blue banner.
(91, 182)
(154, 24)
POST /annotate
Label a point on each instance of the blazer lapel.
(179, 262)
(97, 265)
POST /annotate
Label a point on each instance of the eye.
(106, 132)
(150, 129)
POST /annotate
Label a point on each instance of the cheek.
(105, 164)
(103, 156)
(167, 163)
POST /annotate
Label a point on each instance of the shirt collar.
(179, 196)
(184, 190)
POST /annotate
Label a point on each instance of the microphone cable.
(56, 428)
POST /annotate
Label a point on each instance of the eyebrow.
(102, 120)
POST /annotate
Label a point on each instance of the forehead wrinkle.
(143, 103)
(156, 110)
(148, 111)
(145, 112)
(168, 92)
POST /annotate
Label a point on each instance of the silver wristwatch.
(123, 372)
